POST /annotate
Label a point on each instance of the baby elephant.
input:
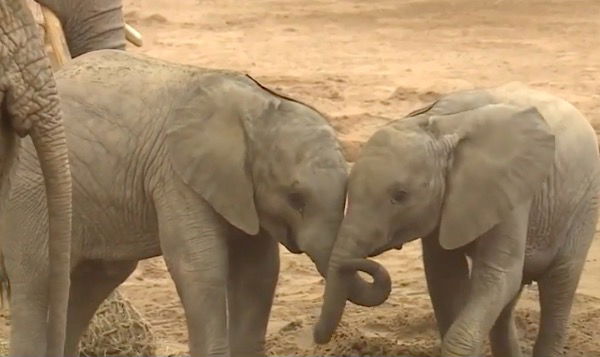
(206, 167)
(506, 176)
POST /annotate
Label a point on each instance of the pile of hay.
(118, 329)
(3, 348)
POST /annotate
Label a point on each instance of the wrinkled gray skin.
(506, 176)
(90, 25)
(29, 105)
(205, 167)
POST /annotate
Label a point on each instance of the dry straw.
(118, 329)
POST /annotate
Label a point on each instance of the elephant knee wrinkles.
(461, 340)
(210, 275)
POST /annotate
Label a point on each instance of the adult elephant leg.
(28, 310)
(253, 273)
(447, 274)
(504, 338)
(558, 285)
(24, 224)
(495, 280)
(91, 283)
(193, 239)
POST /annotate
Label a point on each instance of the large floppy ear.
(208, 147)
(501, 156)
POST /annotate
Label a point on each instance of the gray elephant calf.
(507, 176)
(205, 167)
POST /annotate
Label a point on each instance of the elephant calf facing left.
(508, 176)
(206, 167)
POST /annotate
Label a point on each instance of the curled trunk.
(360, 292)
(369, 294)
(341, 279)
(343, 282)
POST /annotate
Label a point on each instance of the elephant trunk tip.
(322, 334)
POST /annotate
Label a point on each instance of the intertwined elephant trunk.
(32, 107)
(319, 250)
(344, 283)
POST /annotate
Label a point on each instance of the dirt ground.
(365, 63)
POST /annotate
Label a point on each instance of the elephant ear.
(499, 159)
(208, 147)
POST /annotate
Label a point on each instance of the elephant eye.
(296, 200)
(398, 196)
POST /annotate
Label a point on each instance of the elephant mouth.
(289, 243)
(384, 249)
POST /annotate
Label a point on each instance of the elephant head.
(265, 163)
(451, 172)
(90, 25)
(29, 105)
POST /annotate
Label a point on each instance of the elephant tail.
(4, 283)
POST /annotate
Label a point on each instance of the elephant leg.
(447, 274)
(559, 284)
(557, 290)
(504, 338)
(253, 273)
(193, 240)
(496, 275)
(26, 264)
(28, 312)
(91, 283)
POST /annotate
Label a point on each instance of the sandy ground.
(364, 62)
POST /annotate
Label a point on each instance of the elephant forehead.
(323, 167)
(374, 173)
(399, 140)
(298, 144)
(382, 170)
(412, 153)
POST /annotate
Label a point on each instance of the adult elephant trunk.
(90, 25)
(32, 106)
(48, 137)
(347, 258)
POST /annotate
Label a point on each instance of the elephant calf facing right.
(206, 167)
(508, 176)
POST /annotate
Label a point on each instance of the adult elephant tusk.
(132, 35)
(56, 37)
